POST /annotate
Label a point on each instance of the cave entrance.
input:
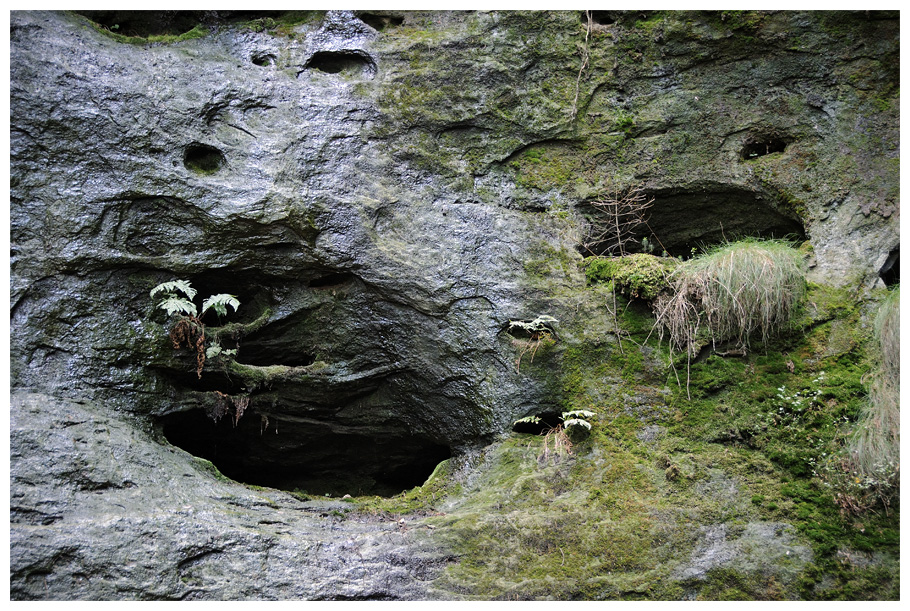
(305, 455)
(680, 221)
(890, 272)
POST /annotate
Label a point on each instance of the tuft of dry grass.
(734, 292)
(874, 448)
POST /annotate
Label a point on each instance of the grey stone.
(383, 201)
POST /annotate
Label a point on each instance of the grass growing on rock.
(734, 291)
(662, 480)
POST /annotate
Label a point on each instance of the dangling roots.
(224, 404)
(190, 333)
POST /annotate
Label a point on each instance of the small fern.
(577, 419)
(174, 287)
(189, 331)
(173, 304)
(527, 420)
(219, 303)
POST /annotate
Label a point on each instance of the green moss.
(207, 467)
(639, 275)
(421, 500)
(198, 31)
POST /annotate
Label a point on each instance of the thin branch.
(584, 64)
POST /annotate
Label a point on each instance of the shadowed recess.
(203, 159)
(679, 221)
(890, 272)
(347, 62)
(306, 455)
(380, 22)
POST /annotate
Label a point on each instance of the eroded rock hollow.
(383, 193)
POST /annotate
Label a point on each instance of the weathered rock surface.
(117, 514)
(383, 193)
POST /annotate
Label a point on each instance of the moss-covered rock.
(385, 192)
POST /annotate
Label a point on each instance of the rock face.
(384, 193)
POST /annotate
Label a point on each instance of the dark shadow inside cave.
(681, 221)
(890, 272)
(761, 145)
(279, 343)
(347, 62)
(546, 421)
(381, 21)
(174, 22)
(306, 456)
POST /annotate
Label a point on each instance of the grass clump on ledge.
(874, 449)
(732, 293)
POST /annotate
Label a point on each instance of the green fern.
(219, 303)
(527, 420)
(173, 304)
(173, 287)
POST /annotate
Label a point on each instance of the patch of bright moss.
(638, 275)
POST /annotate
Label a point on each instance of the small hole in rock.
(335, 62)
(544, 423)
(380, 22)
(759, 146)
(317, 458)
(599, 17)
(266, 59)
(203, 159)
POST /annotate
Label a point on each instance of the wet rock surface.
(383, 192)
(103, 511)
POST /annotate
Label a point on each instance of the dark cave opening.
(203, 159)
(298, 454)
(760, 145)
(681, 222)
(335, 62)
(264, 59)
(254, 296)
(279, 343)
(890, 272)
(544, 422)
(175, 22)
(599, 17)
(380, 22)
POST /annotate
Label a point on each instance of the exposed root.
(189, 333)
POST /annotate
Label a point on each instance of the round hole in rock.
(760, 145)
(203, 159)
(335, 62)
(264, 59)
(380, 22)
(316, 458)
(890, 272)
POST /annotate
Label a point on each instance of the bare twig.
(622, 214)
(584, 63)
